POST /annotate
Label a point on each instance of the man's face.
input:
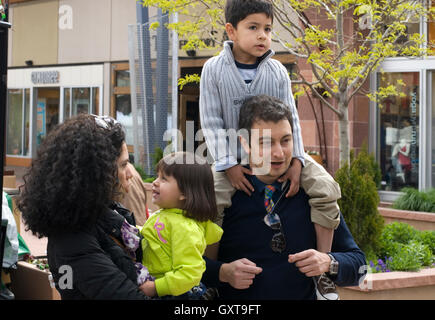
(271, 148)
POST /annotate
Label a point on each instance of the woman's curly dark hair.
(73, 178)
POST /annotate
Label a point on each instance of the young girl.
(175, 237)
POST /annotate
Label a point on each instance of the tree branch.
(322, 98)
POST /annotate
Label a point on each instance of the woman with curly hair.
(70, 195)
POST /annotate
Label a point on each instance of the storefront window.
(412, 26)
(66, 103)
(399, 132)
(15, 122)
(431, 28)
(47, 112)
(26, 147)
(81, 100)
(95, 100)
(124, 115)
(18, 122)
(123, 78)
(121, 100)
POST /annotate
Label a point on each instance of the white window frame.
(62, 99)
(426, 68)
(23, 124)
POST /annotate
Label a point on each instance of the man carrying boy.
(244, 68)
(267, 247)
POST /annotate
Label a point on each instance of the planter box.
(10, 181)
(419, 220)
(393, 286)
(31, 283)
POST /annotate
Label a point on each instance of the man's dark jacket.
(247, 236)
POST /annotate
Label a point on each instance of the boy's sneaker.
(325, 288)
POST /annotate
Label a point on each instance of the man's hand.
(236, 175)
(149, 288)
(311, 262)
(239, 274)
(294, 175)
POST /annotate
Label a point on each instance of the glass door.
(80, 100)
(47, 111)
(399, 127)
(18, 122)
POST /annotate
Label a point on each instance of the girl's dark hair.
(195, 181)
(237, 10)
(263, 108)
(74, 178)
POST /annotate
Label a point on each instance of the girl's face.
(124, 171)
(166, 193)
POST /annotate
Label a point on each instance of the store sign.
(414, 136)
(45, 77)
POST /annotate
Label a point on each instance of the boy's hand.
(149, 288)
(294, 175)
(239, 274)
(236, 175)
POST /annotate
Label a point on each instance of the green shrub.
(141, 172)
(405, 248)
(366, 163)
(395, 233)
(156, 156)
(427, 237)
(410, 257)
(359, 200)
(415, 200)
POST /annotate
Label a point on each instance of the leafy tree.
(341, 42)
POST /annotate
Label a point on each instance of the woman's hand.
(149, 288)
